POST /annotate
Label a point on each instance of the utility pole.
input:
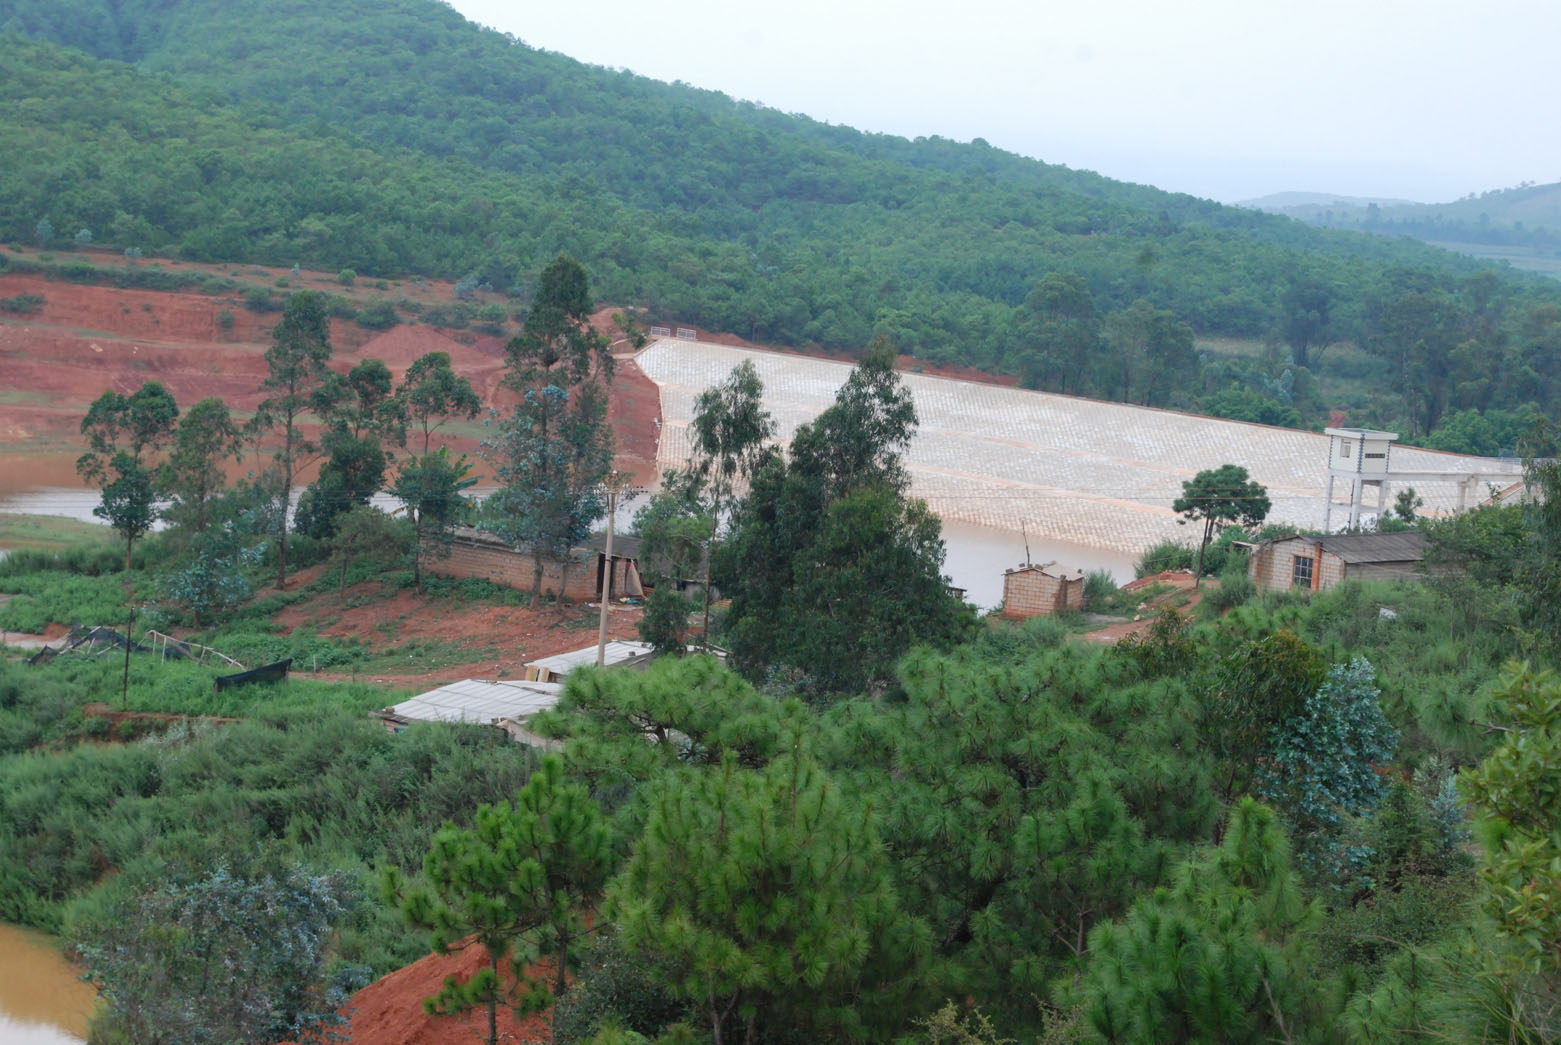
(124, 695)
(606, 592)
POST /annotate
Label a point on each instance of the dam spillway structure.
(1091, 473)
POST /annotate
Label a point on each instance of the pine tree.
(763, 898)
(515, 884)
(1220, 955)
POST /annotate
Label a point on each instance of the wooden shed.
(1320, 562)
(1041, 591)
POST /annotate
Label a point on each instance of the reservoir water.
(42, 1002)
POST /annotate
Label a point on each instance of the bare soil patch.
(501, 640)
(389, 1011)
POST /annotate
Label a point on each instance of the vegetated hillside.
(395, 137)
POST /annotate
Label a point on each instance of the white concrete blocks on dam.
(1099, 474)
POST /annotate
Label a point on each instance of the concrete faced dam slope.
(1097, 474)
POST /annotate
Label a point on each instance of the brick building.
(1320, 563)
(1032, 591)
(476, 553)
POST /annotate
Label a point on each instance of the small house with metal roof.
(1321, 562)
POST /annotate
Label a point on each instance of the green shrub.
(1166, 555)
(1099, 586)
(1234, 589)
(90, 560)
(613, 990)
(225, 319)
(346, 277)
(340, 307)
(22, 303)
(453, 317)
(378, 314)
(61, 598)
(259, 299)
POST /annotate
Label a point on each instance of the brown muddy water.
(42, 1001)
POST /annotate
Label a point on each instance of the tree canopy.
(1223, 496)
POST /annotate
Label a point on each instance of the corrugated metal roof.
(618, 651)
(473, 700)
(1375, 547)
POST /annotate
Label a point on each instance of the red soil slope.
(390, 1011)
(87, 339)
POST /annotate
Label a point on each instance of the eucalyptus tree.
(362, 420)
(204, 442)
(298, 382)
(730, 429)
(832, 570)
(555, 450)
(432, 393)
(1222, 496)
(433, 488)
(123, 434)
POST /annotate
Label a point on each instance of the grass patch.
(48, 532)
(181, 688)
(427, 654)
(62, 598)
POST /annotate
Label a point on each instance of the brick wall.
(503, 566)
(1032, 593)
(1273, 566)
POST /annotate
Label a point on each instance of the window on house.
(1346, 448)
(1301, 572)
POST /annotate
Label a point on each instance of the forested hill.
(394, 137)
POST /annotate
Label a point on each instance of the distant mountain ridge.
(1280, 202)
(1520, 225)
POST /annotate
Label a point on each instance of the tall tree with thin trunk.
(123, 434)
(297, 384)
(1221, 496)
(433, 488)
(206, 439)
(730, 429)
(432, 393)
(556, 448)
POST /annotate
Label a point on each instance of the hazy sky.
(1229, 99)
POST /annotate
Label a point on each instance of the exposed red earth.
(389, 1011)
(518, 634)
